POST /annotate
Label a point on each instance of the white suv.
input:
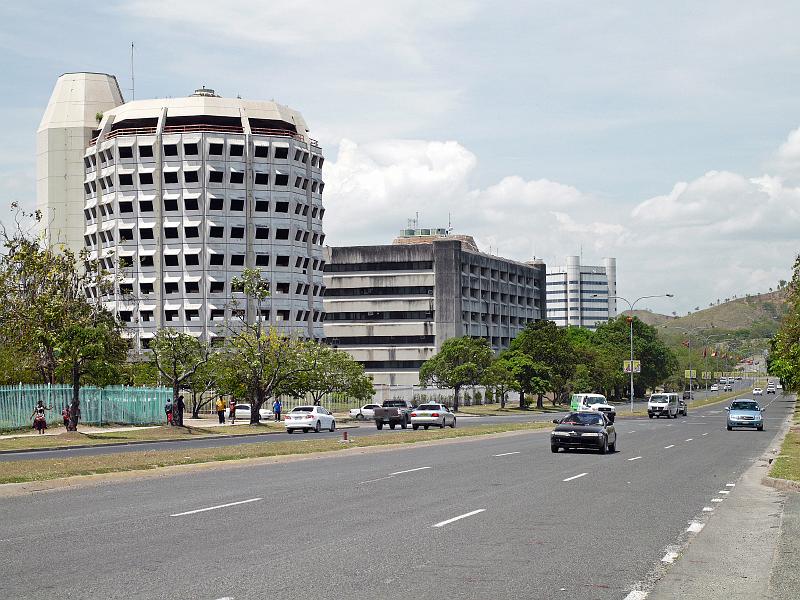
(663, 404)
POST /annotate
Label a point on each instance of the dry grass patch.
(39, 470)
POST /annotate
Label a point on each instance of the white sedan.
(242, 413)
(758, 392)
(426, 415)
(714, 388)
(366, 412)
(309, 418)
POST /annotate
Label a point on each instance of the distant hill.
(760, 314)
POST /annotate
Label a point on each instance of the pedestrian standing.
(276, 409)
(232, 412)
(168, 409)
(180, 406)
(221, 410)
(65, 416)
(39, 418)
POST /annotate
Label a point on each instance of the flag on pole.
(705, 352)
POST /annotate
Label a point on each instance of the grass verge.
(787, 464)
(40, 470)
(494, 410)
(149, 434)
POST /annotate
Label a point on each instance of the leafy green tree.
(532, 377)
(177, 356)
(335, 373)
(500, 378)
(784, 358)
(461, 361)
(204, 384)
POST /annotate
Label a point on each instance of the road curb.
(139, 442)
(784, 485)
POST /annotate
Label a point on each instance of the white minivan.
(596, 402)
(663, 404)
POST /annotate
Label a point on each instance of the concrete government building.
(582, 295)
(177, 196)
(392, 306)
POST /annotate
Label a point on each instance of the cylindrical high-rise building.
(182, 194)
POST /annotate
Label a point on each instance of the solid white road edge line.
(574, 477)
(668, 447)
(669, 557)
(199, 510)
(636, 595)
(506, 454)
(635, 458)
(409, 470)
(459, 517)
(374, 480)
(695, 527)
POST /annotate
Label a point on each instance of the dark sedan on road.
(584, 429)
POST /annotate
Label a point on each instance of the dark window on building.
(298, 181)
(215, 176)
(145, 206)
(216, 287)
(146, 288)
(171, 204)
(146, 316)
(192, 260)
(262, 206)
(216, 260)
(216, 204)
(171, 287)
(218, 313)
(146, 234)
(237, 260)
(146, 261)
(171, 260)
(146, 151)
(385, 315)
(236, 149)
(171, 233)
(190, 149)
(146, 178)
(237, 204)
(411, 265)
(281, 207)
(215, 149)
(125, 316)
(262, 179)
(410, 290)
(237, 232)
(170, 177)
(125, 261)
(281, 179)
(262, 151)
(262, 233)
(282, 288)
(170, 149)
(281, 261)
(125, 288)
(125, 179)
(191, 176)
(216, 231)
(125, 152)
(262, 260)
(125, 235)
(281, 234)
(321, 160)
(375, 365)
(192, 314)
(190, 204)
(170, 315)
(126, 207)
(282, 315)
(192, 287)
(191, 232)
(237, 177)
(281, 153)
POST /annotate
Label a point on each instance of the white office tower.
(582, 295)
(182, 194)
(61, 140)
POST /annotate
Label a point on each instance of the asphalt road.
(364, 525)
(364, 429)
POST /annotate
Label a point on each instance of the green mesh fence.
(118, 404)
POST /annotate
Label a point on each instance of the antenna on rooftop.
(133, 81)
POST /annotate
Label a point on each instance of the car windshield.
(429, 407)
(582, 419)
(741, 405)
(395, 403)
(659, 398)
(303, 409)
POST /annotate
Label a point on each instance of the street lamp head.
(670, 295)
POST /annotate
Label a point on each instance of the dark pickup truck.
(393, 413)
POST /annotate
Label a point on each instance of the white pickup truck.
(596, 402)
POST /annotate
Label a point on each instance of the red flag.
(714, 354)
(686, 343)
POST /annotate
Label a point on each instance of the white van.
(663, 404)
(596, 402)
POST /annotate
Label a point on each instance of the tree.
(335, 372)
(784, 358)
(532, 377)
(461, 361)
(499, 377)
(177, 356)
(205, 379)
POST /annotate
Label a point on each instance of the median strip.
(201, 510)
(458, 518)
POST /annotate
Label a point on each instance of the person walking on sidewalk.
(39, 419)
(168, 409)
(221, 410)
(276, 409)
(65, 416)
(180, 407)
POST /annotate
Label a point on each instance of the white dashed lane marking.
(707, 509)
(506, 454)
(409, 470)
(200, 510)
(730, 485)
(458, 518)
(716, 499)
(634, 458)
(574, 477)
(668, 447)
(689, 440)
(724, 492)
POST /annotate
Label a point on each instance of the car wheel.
(290, 431)
(442, 425)
(333, 426)
(604, 445)
(649, 416)
(454, 423)
(306, 430)
(404, 424)
(730, 428)
(760, 428)
(378, 424)
(359, 417)
(426, 427)
(553, 448)
(317, 427)
(415, 427)
(391, 425)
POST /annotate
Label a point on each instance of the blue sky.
(659, 133)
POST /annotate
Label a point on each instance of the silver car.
(437, 415)
(745, 413)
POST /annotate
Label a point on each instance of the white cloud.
(718, 235)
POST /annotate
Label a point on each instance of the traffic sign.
(687, 374)
(637, 366)
(706, 375)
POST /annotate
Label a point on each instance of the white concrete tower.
(61, 140)
(611, 273)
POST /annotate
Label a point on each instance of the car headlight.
(590, 434)
(560, 433)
